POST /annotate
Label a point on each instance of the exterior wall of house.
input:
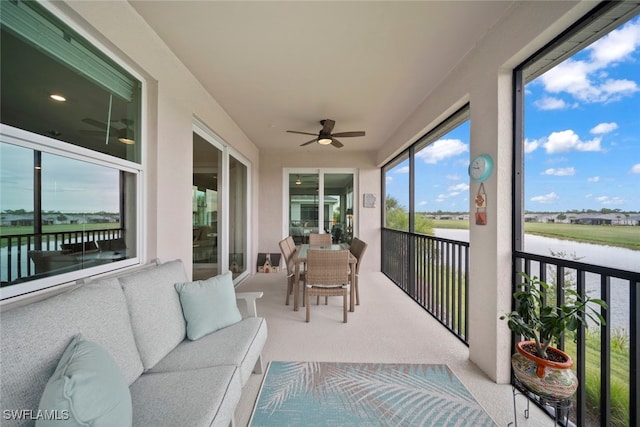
(484, 80)
(174, 99)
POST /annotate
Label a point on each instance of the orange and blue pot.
(544, 377)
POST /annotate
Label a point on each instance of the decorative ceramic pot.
(544, 377)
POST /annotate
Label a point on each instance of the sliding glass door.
(220, 205)
(207, 164)
(320, 201)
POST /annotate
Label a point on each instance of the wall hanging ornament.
(481, 206)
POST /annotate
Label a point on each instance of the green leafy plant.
(545, 324)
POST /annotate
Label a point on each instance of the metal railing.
(14, 256)
(605, 358)
(434, 272)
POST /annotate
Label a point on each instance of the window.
(321, 201)
(396, 187)
(578, 142)
(70, 151)
(429, 181)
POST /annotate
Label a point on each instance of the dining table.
(300, 258)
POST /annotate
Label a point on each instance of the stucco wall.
(176, 98)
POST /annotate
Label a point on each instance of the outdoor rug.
(364, 394)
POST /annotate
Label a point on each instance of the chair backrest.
(319, 239)
(327, 267)
(291, 243)
(358, 248)
(287, 254)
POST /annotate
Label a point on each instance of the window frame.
(44, 144)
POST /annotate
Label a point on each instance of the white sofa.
(138, 319)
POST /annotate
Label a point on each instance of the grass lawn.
(612, 235)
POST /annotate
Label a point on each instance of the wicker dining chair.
(288, 253)
(319, 239)
(357, 248)
(327, 276)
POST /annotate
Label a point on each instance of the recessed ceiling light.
(57, 97)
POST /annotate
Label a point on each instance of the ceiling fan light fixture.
(298, 180)
(57, 97)
(323, 140)
(126, 136)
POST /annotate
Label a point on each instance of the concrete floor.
(386, 327)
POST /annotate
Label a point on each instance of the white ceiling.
(275, 66)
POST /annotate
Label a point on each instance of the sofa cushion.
(88, 387)
(208, 305)
(35, 336)
(201, 397)
(239, 344)
(154, 306)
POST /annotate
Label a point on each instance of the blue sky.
(582, 138)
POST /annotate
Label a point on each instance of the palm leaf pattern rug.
(364, 394)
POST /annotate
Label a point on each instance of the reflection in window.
(62, 215)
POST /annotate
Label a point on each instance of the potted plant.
(537, 364)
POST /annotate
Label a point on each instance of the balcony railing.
(434, 273)
(15, 264)
(605, 358)
(437, 279)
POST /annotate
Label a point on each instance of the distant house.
(592, 220)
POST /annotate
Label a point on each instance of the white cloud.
(404, 169)
(550, 103)
(530, 145)
(585, 79)
(389, 179)
(459, 187)
(442, 149)
(453, 177)
(635, 168)
(422, 203)
(617, 45)
(570, 171)
(593, 179)
(607, 200)
(604, 128)
(441, 198)
(547, 198)
(568, 140)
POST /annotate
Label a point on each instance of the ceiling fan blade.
(336, 143)
(309, 142)
(349, 134)
(327, 126)
(303, 133)
(100, 125)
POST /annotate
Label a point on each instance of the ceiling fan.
(325, 137)
(122, 131)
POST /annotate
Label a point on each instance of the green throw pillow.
(208, 305)
(87, 388)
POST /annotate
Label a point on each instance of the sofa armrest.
(250, 299)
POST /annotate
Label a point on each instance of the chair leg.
(289, 289)
(308, 306)
(344, 305)
(357, 290)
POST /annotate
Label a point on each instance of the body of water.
(606, 256)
